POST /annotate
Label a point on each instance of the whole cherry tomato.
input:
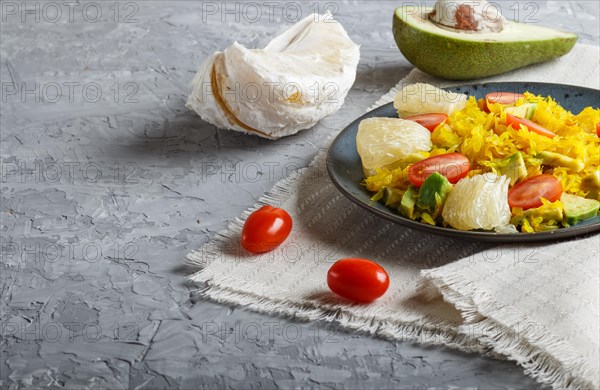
(265, 229)
(359, 280)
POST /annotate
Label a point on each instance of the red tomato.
(598, 129)
(265, 229)
(503, 97)
(359, 280)
(515, 122)
(454, 166)
(529, 193)
(429, 121)
(483, 105)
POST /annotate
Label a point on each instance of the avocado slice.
(579, 209)
(546, 212)
(433, 193)
(591, 184)
(409, 200)
(392, 197)
(523, 111)
(560, 160)
(514, 168)
(456, 55)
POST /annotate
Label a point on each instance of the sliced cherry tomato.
(483, 105)
(265, 229)
(515, 122)
(429, 121)
(359, 280)
(529, 193)
(503, 97)
(598, 129)
(454, 166)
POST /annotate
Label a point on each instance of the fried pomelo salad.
(509, 162)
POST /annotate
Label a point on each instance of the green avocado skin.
(455, 59)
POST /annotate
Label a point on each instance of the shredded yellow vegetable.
(549, 216)
(485, 138)
(479, 132)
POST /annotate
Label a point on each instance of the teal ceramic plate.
(345, 170)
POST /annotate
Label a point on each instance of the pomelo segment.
(478, 202)
(421, 98)
(381, 142)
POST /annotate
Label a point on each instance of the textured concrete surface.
(108, 181)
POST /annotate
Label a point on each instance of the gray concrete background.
(108, 181)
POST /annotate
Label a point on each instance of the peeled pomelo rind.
(300, 77)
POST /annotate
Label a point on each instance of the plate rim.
(553, 235)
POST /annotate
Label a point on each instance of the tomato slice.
(359, 280)
(529, 193)
(454, 166)
(515, 122)
(598, 129)
(429, 121)
(265, 229)
(503, 97)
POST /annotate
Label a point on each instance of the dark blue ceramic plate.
(345, 170)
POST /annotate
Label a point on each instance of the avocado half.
(456, 55)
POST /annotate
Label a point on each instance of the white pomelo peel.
(300, 77)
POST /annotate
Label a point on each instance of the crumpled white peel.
(300, 77)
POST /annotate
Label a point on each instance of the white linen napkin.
(536, 305)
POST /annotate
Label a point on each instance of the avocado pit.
(467, 16)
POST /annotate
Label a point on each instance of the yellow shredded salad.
(483, 136)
